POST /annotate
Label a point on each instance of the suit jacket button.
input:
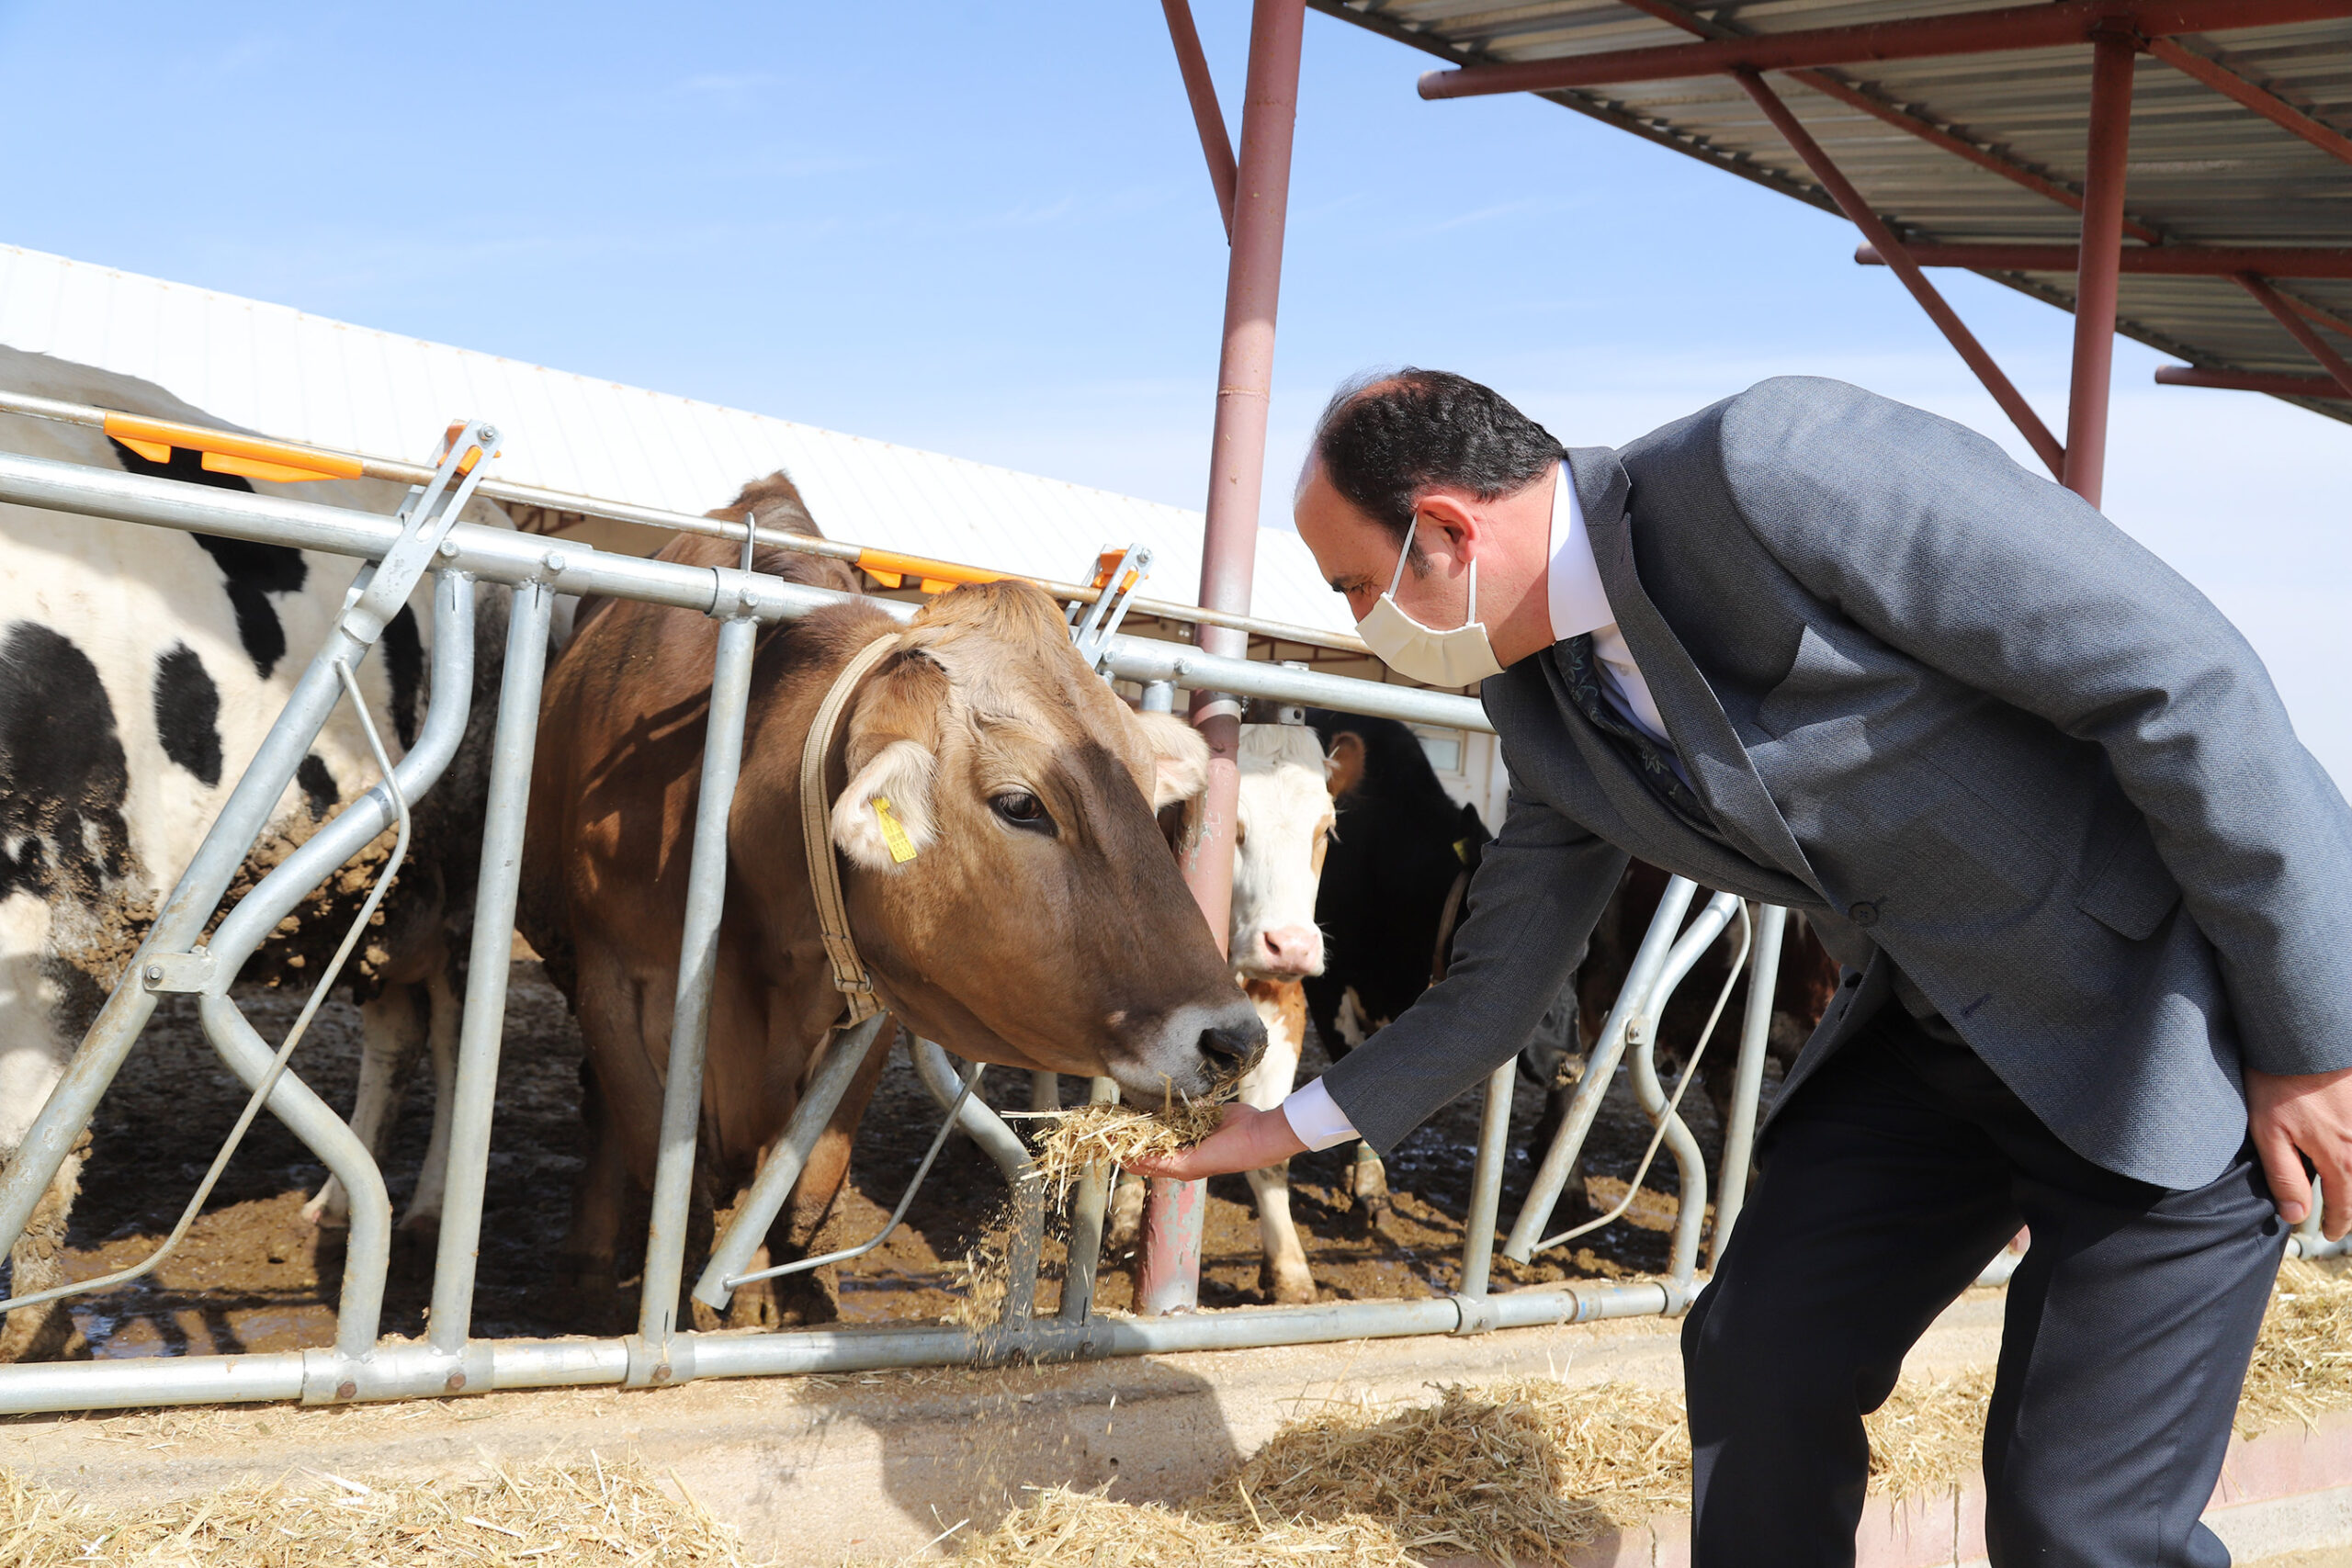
(1862, 914)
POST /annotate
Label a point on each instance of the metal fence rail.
(395, 553)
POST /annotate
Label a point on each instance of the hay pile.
(1518, 1469)
(1083, 1529)
(594, 1513)
(1928, 1437)
(1527, 1468)
(2302, 1362)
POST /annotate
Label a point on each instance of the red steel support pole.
(1216, 146)
(1881, 239)
(2251, 381)
(2335, 365)
(1164, 1281)
(2260, 100)
(2115, 55)
(2167, 261)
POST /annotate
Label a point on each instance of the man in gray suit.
(2092, 898)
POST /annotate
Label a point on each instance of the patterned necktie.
(1582, 668)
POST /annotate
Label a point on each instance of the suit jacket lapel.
(1719, 771)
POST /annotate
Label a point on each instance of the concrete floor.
(819, 1469)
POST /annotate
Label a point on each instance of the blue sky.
(985, 230)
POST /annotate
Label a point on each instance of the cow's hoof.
(1289, 1284)
(44, 1333)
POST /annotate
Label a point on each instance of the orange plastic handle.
(225, 453)
(888, 564)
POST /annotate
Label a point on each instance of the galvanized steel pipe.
(483, 1024)
(1487, 1179)
(722, 760)
(747, 1230)
(1600, 1066)
(500, 554)
(1747, 1083)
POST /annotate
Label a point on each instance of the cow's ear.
(1343, 769)
(885, 819)
(1180, 758)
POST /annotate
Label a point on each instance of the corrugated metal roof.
(306, 379)
(2202, 170)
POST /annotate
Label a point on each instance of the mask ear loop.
(1406, 554)
(1403, 555)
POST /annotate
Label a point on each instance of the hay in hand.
(598, 1512)
(1117, 1134)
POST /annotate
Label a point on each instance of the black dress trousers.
(1888, 1183)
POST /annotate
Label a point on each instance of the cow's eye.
(1022, 811)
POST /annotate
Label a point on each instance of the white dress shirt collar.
(1572, 584)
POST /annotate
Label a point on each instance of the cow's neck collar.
(850, 975)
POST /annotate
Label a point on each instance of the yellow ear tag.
(902, 849)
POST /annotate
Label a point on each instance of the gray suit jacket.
(1958, 719)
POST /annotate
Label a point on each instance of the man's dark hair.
(1387, 438)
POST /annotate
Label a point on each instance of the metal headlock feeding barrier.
(395, 554)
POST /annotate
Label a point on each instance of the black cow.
(1388, 904)
(1394, 878)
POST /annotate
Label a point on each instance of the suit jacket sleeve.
(1929, 538)
(1537, 895)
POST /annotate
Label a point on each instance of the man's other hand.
(1248, 1139)
(2297, 1117)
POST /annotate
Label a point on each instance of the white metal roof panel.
(327, 383)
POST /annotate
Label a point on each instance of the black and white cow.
(140, 668)
(1394, 884)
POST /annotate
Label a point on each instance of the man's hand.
(2297, 1117)
(1248, 1139)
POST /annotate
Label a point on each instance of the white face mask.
(1461, 657)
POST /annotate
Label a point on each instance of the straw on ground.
(594, 1511)
(1523, 1469)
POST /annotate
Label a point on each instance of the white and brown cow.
(139, 668)
(1282, 828)
(1281, 832)
(1030, 915)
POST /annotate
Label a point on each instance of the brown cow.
(1041, 923)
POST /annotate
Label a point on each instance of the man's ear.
(1343, 769)
(1450, 526)
(1180, 758)
(884, 818)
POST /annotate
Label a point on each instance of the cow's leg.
(1283, 1273)
(32, 1058)
(389, 1033)
(801, 1298)
(587, 1270)
(1126, 1226)
(1368, 1184)
(47, 1332)
(419, 1235)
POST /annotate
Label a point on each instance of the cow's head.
(1279, 836)
(1014, 898)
